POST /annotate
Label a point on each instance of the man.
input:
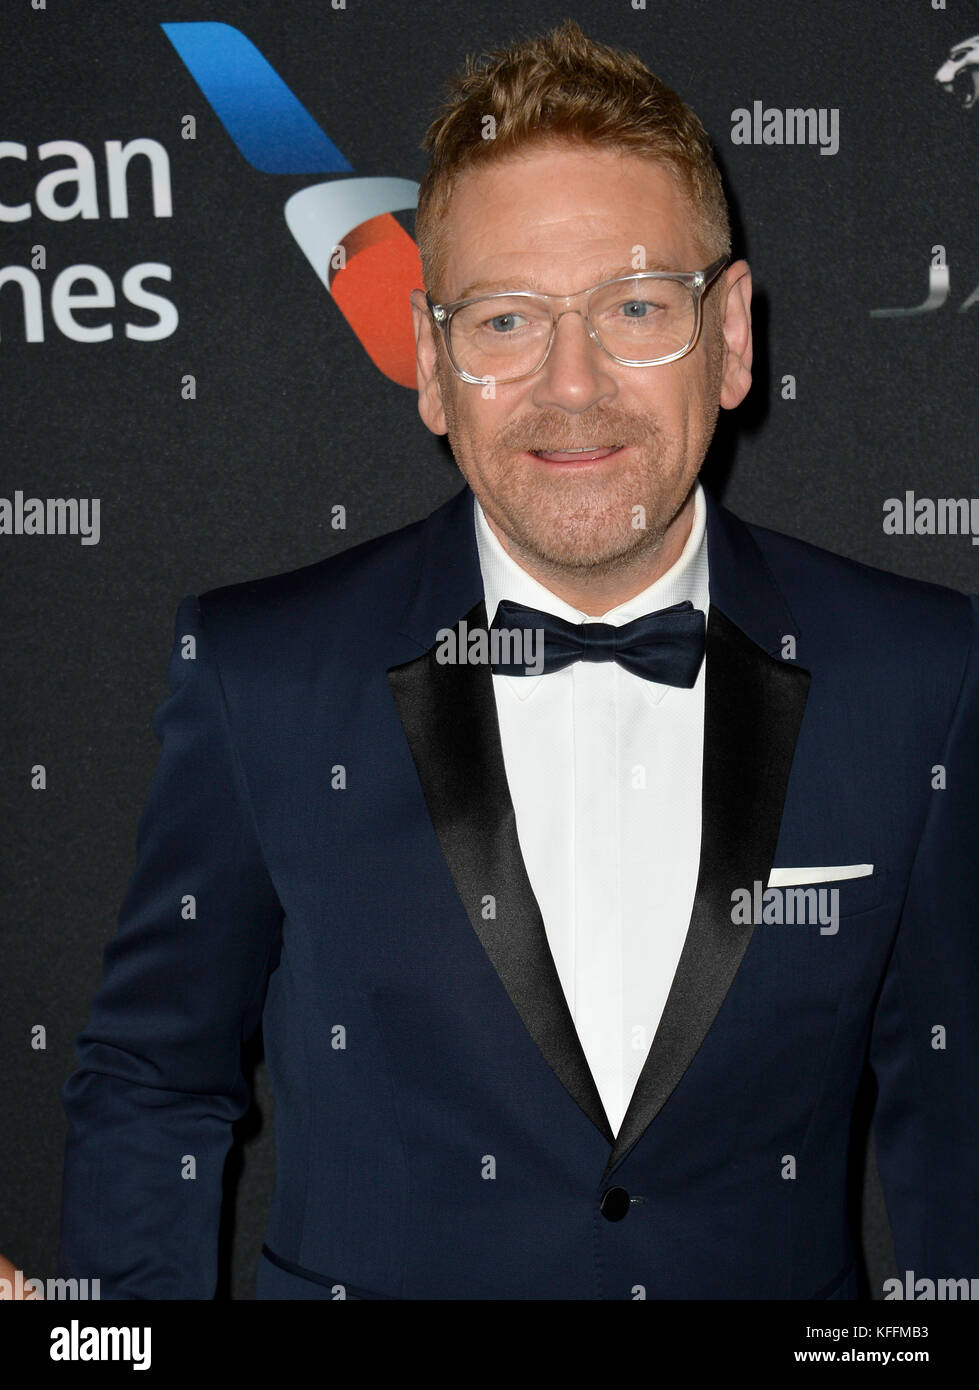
(577, 846)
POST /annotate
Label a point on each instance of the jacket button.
(614, 1203)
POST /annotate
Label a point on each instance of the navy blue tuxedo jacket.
(328, 830)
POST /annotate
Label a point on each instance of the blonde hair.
(564, 85)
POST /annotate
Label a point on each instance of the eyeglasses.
(640, 320)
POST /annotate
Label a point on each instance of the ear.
(429, 393)
(736, 328)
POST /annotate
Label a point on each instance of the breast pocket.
(845, 888)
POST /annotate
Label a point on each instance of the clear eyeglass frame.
(696, 281)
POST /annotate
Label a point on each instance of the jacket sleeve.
(159, 1081)
(925, 1040)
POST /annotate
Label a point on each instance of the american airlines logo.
(344, 226)
(359, 252)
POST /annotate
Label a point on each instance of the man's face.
(557, 219)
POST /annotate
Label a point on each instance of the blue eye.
(639, 310)
(504, 319)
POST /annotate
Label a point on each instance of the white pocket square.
(782, 878)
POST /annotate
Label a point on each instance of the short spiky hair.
(564, 85)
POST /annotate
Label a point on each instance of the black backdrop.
(291, 417)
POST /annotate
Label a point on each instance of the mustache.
(556, 434)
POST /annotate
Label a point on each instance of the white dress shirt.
(604, 769)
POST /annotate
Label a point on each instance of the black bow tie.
(666, 646)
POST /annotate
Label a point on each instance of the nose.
(575, 375)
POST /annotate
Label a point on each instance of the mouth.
(589, 454)
(965, 87)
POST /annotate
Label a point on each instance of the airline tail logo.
(360, 254)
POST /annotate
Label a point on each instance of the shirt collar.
(503, 578)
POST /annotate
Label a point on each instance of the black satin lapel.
(753, 712)
(448, 713)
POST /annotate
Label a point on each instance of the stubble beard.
(571, 522)
(566, 524)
